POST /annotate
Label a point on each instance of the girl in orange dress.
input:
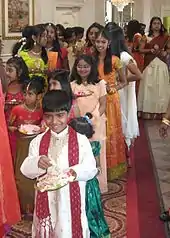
(17, 73)
(27, 113)
(91, 98)
(110, 69)
(9, 205)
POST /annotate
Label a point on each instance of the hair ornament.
(49, 24)
(87, 119)
(23, 39)
(27, 89)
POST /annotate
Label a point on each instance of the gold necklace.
(31, 110)
(35, 53)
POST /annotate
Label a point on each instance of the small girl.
(17, 74)
(96, 220)
(32, 49)
(27, 113)
(57, 56)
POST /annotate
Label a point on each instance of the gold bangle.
(166, 121)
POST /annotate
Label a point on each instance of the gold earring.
(35, 43)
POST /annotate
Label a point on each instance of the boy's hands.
(44, 162)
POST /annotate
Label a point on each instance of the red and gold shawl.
(42, 204)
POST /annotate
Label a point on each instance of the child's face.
(54, 85)
(11, 73)
(41, 39)
(56, 121)
(30, 98)
(50, 34)
(101, 44)
(83, 69)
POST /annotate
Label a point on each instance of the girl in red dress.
(17, 73)
(29, 112)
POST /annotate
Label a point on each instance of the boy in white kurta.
(60, 213)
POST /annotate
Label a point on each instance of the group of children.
(70, 110)
(26, 104)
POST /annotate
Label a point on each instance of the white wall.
(146, 9)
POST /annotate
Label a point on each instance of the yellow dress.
(115, 144)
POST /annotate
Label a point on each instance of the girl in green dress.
(97, 224)
(32, 49)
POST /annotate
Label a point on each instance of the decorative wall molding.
(70, 3)
(165, 11)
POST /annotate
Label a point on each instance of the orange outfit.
(115, 146)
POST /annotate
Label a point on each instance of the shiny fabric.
(96, 220)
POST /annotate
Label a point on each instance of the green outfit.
(95, 215)
(36, 65)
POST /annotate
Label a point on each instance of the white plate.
(29, 129)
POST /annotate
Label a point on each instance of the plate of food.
(51, 182)
(29, 129)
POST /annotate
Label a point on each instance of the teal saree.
(96, 220)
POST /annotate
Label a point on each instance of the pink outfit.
(91, 104)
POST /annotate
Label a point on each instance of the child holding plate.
(25, 120)
(17, 74)
(60, 213)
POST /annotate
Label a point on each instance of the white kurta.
(128, 104)
(59, 201)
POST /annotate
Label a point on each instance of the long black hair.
(62, 76)
(117, 39)
(108, 58)
(36, 84)
(56, 44)
(94, 25)
(133, 27)
(93, 76)
(162, 30)
(28, 42)
(83, 125)
(21, 68)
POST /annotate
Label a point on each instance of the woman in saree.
(154, 88)
(9, 205)
(110, 69)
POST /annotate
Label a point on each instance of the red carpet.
(143, 206)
